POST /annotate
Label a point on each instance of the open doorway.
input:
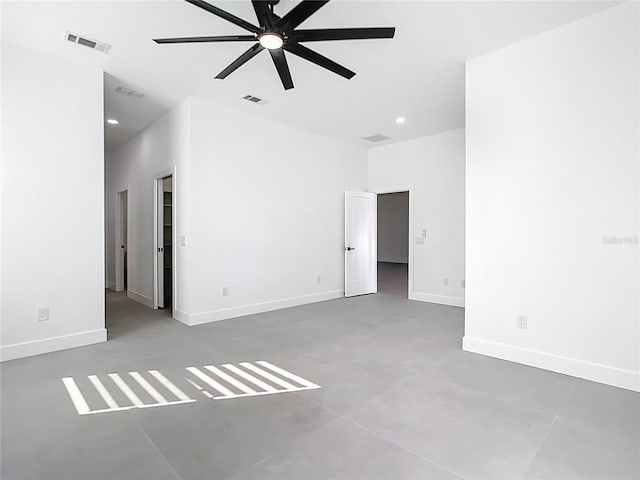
(393, 243)
(122, 240)
(163, 272)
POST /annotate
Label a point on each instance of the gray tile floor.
(392, 278)
(399, 399)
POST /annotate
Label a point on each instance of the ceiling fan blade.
(224, 38)
(280, 61)
(241, 60)
(300, 13)
(263, 12)
(225, 15)
(317, 35)
(321, 60)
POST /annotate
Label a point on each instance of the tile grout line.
(289, 445)
(350, 420)
(555, 417)
(155, 447)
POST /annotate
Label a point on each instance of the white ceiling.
(419, 74)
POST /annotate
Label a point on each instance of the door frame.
(119, 273)
(157, 178)
(400, 189)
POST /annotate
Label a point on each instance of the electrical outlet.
(462, 284)
(445, 281)
(225, 291)
(43, 314)
(522, 321)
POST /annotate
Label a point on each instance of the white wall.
(433, 166)
(393, 227)
(261, 207)
(133, 166)
(267, 213)
(552, 169)
(52, 204)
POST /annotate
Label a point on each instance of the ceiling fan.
(280, 34)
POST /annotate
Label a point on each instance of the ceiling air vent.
(128, 92)
(376, 138)
(256, 100)
(87, 42)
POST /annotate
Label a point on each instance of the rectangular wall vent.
(87, 42)
(376, 138)
(256, 100)
(129, 92)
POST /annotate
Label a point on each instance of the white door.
(360, 243)
(160, 242)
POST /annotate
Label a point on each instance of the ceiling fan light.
(271, 41)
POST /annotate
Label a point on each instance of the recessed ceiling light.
(400, 120)
(271, 40)
(112, 121)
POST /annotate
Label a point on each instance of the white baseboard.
(617, 377)
(181, 317)
(111, 285)
(241, 311)
(53, 344)
(440, 299)
(138, 297)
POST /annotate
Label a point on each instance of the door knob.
(350, 248)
